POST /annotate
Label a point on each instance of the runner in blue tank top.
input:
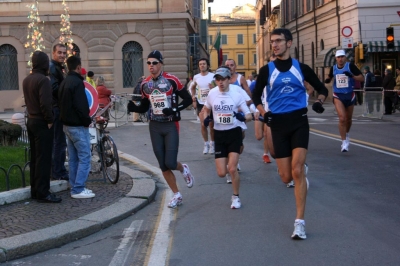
(287, 118)
(344, 75)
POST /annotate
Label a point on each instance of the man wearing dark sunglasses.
(287, 116)
(160, 93)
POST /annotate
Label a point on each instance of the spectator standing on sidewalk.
(59, 172)
(38, 100)
(103, 94)
(160, 93)
(74, 109)
(90, 79)
(388, 85)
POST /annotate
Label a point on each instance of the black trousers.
(387, 101)
(41, 144)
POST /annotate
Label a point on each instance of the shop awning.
(380, 47)
(326, 58)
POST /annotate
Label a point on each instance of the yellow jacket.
(91, 82)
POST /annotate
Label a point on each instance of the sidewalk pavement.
(28, 227)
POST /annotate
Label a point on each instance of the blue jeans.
(79, 154)
(59, 146)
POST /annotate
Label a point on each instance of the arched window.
(132, 64)
(8, 68)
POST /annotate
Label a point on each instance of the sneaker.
(345, 146)
(308, 183)
(228, 178)
(235, 202)
(85, 194)
(290, 184)
(299, 231)
(175, 201)
(306, 169)
(206, 148)
(238, 167)
(266, 158)
(212, 149)
(189, 178)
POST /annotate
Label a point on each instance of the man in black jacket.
(59, 145)
(37, 95)
(74, 114)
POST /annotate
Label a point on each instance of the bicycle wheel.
(118, 109)
(110, 159)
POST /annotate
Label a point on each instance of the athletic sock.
(300, 221)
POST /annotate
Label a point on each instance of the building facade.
(238, 38)
(113, 39)
(320, 27)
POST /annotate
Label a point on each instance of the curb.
(142, 193)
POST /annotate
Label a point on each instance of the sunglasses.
(152, 63)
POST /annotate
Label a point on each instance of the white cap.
(340, 53)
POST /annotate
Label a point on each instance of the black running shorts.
(289, 131)
(227, 141)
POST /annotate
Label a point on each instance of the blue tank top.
(237, 82)
(285, 90)
(341, 82)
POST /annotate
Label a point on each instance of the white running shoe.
(345, 146)
(235, 202)
(189, 178)
(308, 183)
(238, 167)
(212, 149)
(175, 201)
(228, 178)
(290, 184)
(299, 231)
(85, 194)
(206, 148)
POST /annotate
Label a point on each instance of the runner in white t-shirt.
(225, 103)
(200, 87)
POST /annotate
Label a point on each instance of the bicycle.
(118, 108)
(105, 147)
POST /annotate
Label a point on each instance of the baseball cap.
(340, 53)
(223, 72)
(157, 55)
(83, 71)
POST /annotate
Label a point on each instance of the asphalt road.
(352, 212)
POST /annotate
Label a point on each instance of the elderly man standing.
(38, 100)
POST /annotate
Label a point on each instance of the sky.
(226, 6)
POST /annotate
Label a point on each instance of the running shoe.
(290, 184)
(345, 146)
(189, 178)
(299, 231)
(266, 158)
(228, 179)
(175, 201)
(238, 167)
(212, 149)
(206, 148)
(235, 202)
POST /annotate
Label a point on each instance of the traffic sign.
(347, 42)
(92, 97)
(347, 31)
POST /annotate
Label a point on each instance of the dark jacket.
(37, 89)
(56, 77)
(388, 84)
(72, 100)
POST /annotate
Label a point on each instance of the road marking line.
(162, 241)
(360, 143)
(130, 234)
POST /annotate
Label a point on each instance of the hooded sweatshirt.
(37, 89)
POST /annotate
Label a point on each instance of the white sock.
(344, 141)
(211, 143)
(206, 142)
(300, 221)
(178, 194)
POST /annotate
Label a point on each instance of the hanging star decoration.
(65, 30)
(35, 29)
